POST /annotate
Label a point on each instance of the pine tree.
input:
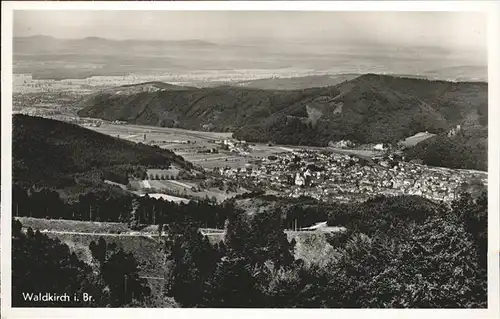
(31, 266)
(134, 215)
(120, 273)
(192, 260)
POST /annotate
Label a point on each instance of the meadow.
(183, 142)
(181, 190)
(188, 144)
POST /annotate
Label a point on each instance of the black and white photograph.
(248, 159)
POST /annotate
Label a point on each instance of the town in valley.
(235, 165)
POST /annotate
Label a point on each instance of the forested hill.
(368, 109)
(468, 149)
(55, 154)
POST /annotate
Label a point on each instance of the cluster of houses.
(87, 122)
(454, 131)
(233, 146)
(349, 144)
(331, 176)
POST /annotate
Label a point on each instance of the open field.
(176, 140)
(181, 188)
(417, 138)
(187, 144)
(168, 197)
(183, 142)
(167, 184)
(158, 134)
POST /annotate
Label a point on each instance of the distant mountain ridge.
(21, 44)
(42, 57)
(368, 109)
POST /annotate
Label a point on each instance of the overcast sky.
(450, 30)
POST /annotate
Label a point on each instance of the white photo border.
(491, 8)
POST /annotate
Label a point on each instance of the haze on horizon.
(449, 31)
